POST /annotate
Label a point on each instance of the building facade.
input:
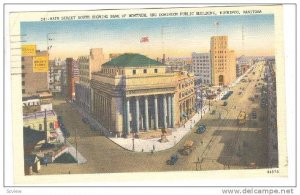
(55, 72)
(243, 64)
(87, 65)
(133, 93)
(72, 76)
(33, 82)
(223, 61)
(185, 98)
(201, 68)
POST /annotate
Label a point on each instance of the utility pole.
(45, 127)
(76, 144)
(201, 102)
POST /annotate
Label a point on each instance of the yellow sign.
(40, 64)
(28, 50)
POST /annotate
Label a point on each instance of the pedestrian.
(69, 172)
(153, 148)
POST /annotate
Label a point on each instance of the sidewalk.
(148, 145)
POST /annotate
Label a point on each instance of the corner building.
(223, 61)
(133, 93)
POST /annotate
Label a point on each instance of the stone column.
(155, 113)
(172, 111)
(146, 114)
(164, 111)
(169, 111)
(127, 113)
(137, 114)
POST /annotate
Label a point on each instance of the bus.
(241, 118)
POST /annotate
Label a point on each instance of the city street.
(224, 145)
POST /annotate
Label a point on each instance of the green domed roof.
(131, 60)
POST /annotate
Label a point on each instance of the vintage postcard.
(192, 92)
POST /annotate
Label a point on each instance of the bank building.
(135, 94)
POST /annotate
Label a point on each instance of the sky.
(174, 36)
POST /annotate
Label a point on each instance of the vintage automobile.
(172, 160)
(201, 129)
(187, 148)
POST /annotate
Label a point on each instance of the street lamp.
(133, 134)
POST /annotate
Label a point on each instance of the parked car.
(187, 148)
(201, 129)
(93, 128)
(85, 120)
(172, 160)
(225, 103)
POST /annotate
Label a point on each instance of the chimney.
(164, 59)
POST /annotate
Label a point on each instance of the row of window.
(195, 61)
(186, 84)
(201, 67)
(186, 93)
(201, 57)
(220, 57)
(145, 71)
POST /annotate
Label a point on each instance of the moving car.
(187, 148)
(172, 160)
(201, 129)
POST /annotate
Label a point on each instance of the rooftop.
(131, 60)
(40, 114)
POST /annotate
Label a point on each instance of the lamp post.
(133, 134)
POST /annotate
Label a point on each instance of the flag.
(144, 39)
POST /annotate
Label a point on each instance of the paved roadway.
(224, 145)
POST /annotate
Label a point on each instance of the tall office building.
(223, 61)
(201, 68)
(33, 82)
(87, 65)
(72, 77)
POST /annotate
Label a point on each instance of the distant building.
(36, 120)
(133, 94)
(223, 61)
(177, 64)
(36, 103)
(201, 68)
(33, 82)
(87, 65)
(55, 73)
(72, 76)
(243, 64)
(114, 55)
